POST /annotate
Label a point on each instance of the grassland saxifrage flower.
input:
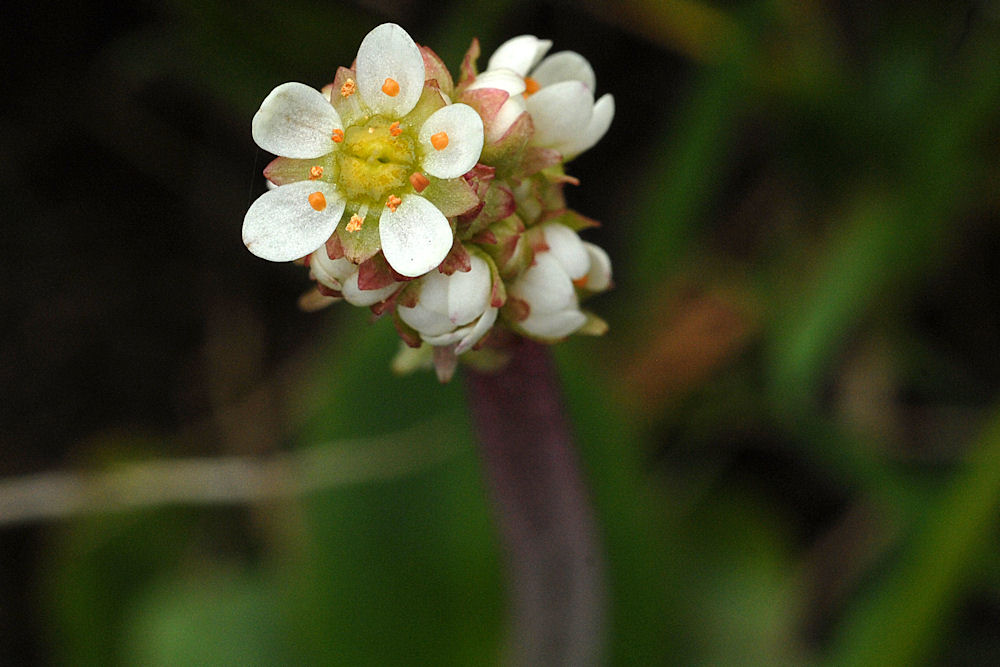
(557, 92)
(366, 163)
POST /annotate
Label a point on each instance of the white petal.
(566, 246)
(553, 325)
(427, 322)
(598, 126)
(480, 329)
(434, 294)
(502, 79)
(445, 339)
(508, 113)
(519, 54)
(430, 314)
(282, 225)
(464, 129)
(560, 112)
(545, 286)
(599, 275)
(296, 121)
(469, 292)
(416, 238)
(365, 297)
(388, 52)
(330, 272)
(565, 66)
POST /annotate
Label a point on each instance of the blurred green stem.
(554, 562)
(899, 622)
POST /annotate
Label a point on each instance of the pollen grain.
(390, 87)
(439, 141)
(317, 201)
(355, 223)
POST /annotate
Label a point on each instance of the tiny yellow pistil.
(394, 129)
(355, 223)
(315, 172)
(393, 203)
(419, 181)
(530, 86)
(390, 87)
(348, 88)
(337, 136)
(439, 141)
(317, 201)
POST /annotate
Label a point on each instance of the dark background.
(790, 429)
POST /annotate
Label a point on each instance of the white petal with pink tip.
(464, 130)
(388, 52)
(296, 121)
(416, 237)
(282, 224)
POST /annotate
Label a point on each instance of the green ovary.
(373, 163)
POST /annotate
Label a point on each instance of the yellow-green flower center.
(375, 159)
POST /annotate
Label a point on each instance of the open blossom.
(453, 309)
(546, 293)
(557, 92)
(365, 168)
(451, 217)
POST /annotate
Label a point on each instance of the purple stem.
(554, 562)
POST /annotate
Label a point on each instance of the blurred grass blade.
(900, 621)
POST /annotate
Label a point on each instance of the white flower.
(548, 286)
(365, 162)
(558, 94)
(342, 276)
(455, 309)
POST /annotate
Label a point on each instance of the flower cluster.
(438, 202)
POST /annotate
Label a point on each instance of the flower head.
(450, 216)
(544, 300)
(365, 166)
(453, 309)
(557, 92)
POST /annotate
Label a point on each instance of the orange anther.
(580, 282)
(390, 87)
(337, 136)
(394, 129)
(419, 181)
(315, 172)
(530, 86)
(354, 224)
(317, 201)
(348, 88)
(439, 141)
(393, 203)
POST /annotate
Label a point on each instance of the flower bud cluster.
(438, 202)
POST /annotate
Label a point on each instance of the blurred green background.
(791, 431)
